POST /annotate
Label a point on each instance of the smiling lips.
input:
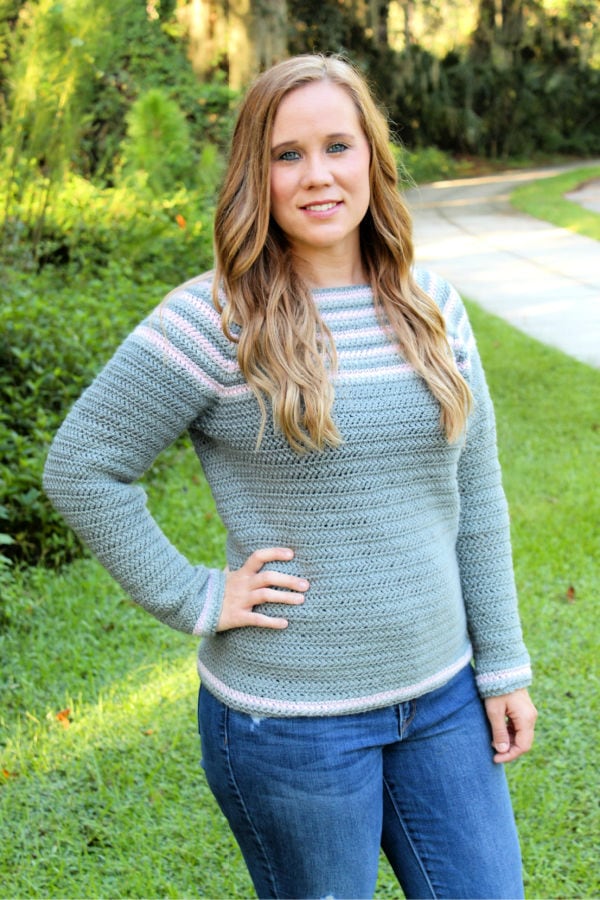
(321, 207)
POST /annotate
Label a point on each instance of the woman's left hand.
(512, 718)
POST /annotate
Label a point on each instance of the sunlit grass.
(549, 437)
(545, 200)
(108, 800)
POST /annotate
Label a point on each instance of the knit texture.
(403, 537)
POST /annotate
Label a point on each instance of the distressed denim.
(311, 800)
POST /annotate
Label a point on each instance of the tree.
(51, 75)
(243, 36)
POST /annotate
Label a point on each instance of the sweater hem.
(266, 706)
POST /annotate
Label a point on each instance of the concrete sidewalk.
(542, 279)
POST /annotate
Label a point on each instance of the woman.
(336, 401)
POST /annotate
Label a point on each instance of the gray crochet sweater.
(403, 537)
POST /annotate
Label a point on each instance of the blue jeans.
(311, 800)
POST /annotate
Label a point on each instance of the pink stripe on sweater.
(489, 678)
(359, 334)
(207, 608)
(330, 707)
(347, 315)
(202, 306)
(343, 294)
(162, 344)
(376, 372)
(229, 365)
(382, 350)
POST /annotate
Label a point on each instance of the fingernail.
(303, 585)
(502, 748)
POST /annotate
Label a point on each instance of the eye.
(338, 147)
(289, 155)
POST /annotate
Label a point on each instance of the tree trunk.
(378, 14)
(513, 23)
(257, 38)
(408, 7)
(206, 25)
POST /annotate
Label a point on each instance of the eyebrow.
(336, 136)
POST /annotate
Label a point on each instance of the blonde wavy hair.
(285, 350)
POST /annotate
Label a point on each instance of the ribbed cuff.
(213, 603)
(494, 684)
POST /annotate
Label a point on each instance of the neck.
(326, 270)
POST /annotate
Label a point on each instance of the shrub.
(61, 324)
(87, 228)
(158, 142)
(466, 104)
(421, 166)
(51, 341)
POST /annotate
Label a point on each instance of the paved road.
(542, 279)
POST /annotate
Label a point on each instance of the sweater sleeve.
(483, 544)
(159, 381)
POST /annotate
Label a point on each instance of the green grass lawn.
(108, 800)
(545, 199)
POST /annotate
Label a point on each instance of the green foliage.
(424, 165)
(79, 72)
(56, 334)
(158, 142)
(51, 74)
(52, 71)
(465, 105)
(88, 228)
(85, 63)
(158, 147)
(50, 341)
(142, 54)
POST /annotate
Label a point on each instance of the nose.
(316, 171)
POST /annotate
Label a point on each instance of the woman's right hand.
(252, 585)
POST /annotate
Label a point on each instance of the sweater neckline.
(342, 289)
(353, 296)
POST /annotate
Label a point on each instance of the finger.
(496, 713)
(258, 620)
(267, 595)
(503, 758)
(521, 735)
(513, 753)
(280, 579)
(525, 739)
(248, 618)
(265, 555)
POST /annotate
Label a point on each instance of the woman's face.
(320, 159)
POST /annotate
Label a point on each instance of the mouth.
(321, 207)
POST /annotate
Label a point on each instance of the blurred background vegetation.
(114, 122)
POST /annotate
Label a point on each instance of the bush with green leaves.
(87, 228)
(158, 142)
(86, 87)
(42, 361)
(61, 324)
(421, 166)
